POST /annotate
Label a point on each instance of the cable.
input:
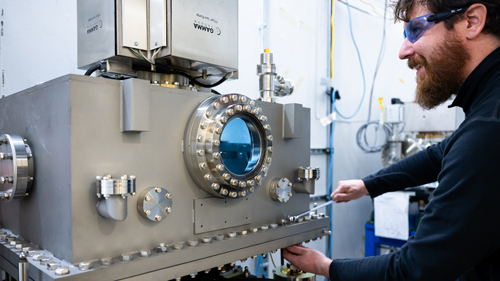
(192, 79)
(361, 134)
(93, 69)
(379, 62)
(270, 254)
(215, 92)
(360, 64)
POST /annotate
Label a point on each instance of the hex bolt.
(270, 138)
(126, 257)
(215, 105)
(206, 239)
(230, 112)
(203, 126)
(224, 191)
(62, 271)
(107, 261)
(157, 218)
(168, 196)
(38, 257)
(223, 120)
(168, 209)
(148, 198)
(178, 245)
(264, 227)
(45, 260)
(243, 99)
(136, 43)
(262, 118)
(254, 257)
(231, 234)
(83, 266)
(224, 100)
(243, 260)
(208, 177)
(219, 237)
(247, 108)
(200, 152)
(226, 176)
(32, 253)
(233, 194)
(52, 266)
(147, 212)
(193, 243)
(215, 186)
(145, 253)
(157, 190)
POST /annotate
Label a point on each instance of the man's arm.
(418, 169)
(460, 227)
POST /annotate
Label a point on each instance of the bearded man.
(455, 47)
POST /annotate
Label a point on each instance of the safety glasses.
(418, 26)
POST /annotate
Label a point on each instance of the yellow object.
(333, 39)
(401, 80)
(266, 50)
(381, 104)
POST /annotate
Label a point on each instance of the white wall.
(39, 44)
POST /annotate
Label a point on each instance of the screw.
(203, 165)
(264, 227)
(136, 43)
(242, 193)
(157, 190)
(208, 177)
(270, 149)
(145, 253)
(147, 212)
(223, 120)
(179, 245)
(157, 218)
(148, 197)
(251, 189)
(84, 266)
(106, 261)
(193, 275)
(218, 131)
(215, 105)
(216, 142)
(270, 138)
(206, 239)
(200, 152)
(229, 112)
(168, 196)
(243, 232)
(199, 138)
(233, 194)
(193, 243)
(62, 271)
(216, 155)
(52, 266)
(126, 257)
(215, 186)
(168, 209)
(226, 176)
(224, 100)
(219, 237)
(162, 248)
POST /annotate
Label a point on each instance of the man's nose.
(406, 50)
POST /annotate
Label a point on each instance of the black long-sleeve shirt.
(459, 235)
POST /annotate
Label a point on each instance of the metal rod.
(314, 209)
(23, 268)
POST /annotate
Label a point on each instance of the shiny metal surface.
(272, 85)
(285, 273)
(107, 186)
(155, 203)
(280, 190)
(16, 167)
(23, 268)
(202, 145)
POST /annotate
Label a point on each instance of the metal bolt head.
(251, 189)
(193, 275)
(219, 237)
(273, 225)
(206, 239)
(270, 138)
(226, 176)
(254, 229)
(168, 210)
(62, 271)
(45, 260)
(148, 198)
(203, 126)
(107, 261)
(250, 182)
(216, 155)
(224, 191)
(216, 142)
(52, 266)
(38, 257)
(144, 253)
(243, 99)
(32, 253)
(258, 178)
(264, 227)
(85, 265)
(262, 118)
(178, 245)
(224, 99)
(203, 166)
(243, 232)
(199, 138)
(242, 193)
(218, 131)
(200, 152)
(234, 182)
(242, 184)
(147, 212)
(216, 105)
(136, 43)
(208, 177)
(168, 196)
(270, 149)
(215, 186)
(238, 107)
(162, 248)
(157, 190)
(193, 243)
(234, 97)
(220, 167)
(223, 120)
(233, 194)
(126, 257)
(157, 218)
(267, 127)
(230, 112)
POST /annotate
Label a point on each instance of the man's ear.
(476, 19)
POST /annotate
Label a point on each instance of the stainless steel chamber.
(134, 181)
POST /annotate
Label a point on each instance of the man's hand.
(349, 190)
(308, 260)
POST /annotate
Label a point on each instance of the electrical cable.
(361, 66)
(270, 254)
(215, 92)
(191, 78)
(262, 265)
(93, 69)
(361, 134)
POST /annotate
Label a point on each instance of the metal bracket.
(135, 105)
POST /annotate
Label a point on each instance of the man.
(454, 46)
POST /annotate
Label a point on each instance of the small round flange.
(280, 190)
(107, 186)
(154, 203)
(16, 167)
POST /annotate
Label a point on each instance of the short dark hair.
(402, 9)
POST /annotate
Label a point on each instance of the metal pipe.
(313, 209)
(23, 268)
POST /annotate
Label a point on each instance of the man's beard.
(444, 75)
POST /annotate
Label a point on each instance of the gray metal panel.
(96, 31)
(134, 24)
(42, 115)
(209, 216)
(292, 121)
(157, 23)
(135, 103)
(205, 31)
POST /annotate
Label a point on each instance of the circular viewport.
(240, 146)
